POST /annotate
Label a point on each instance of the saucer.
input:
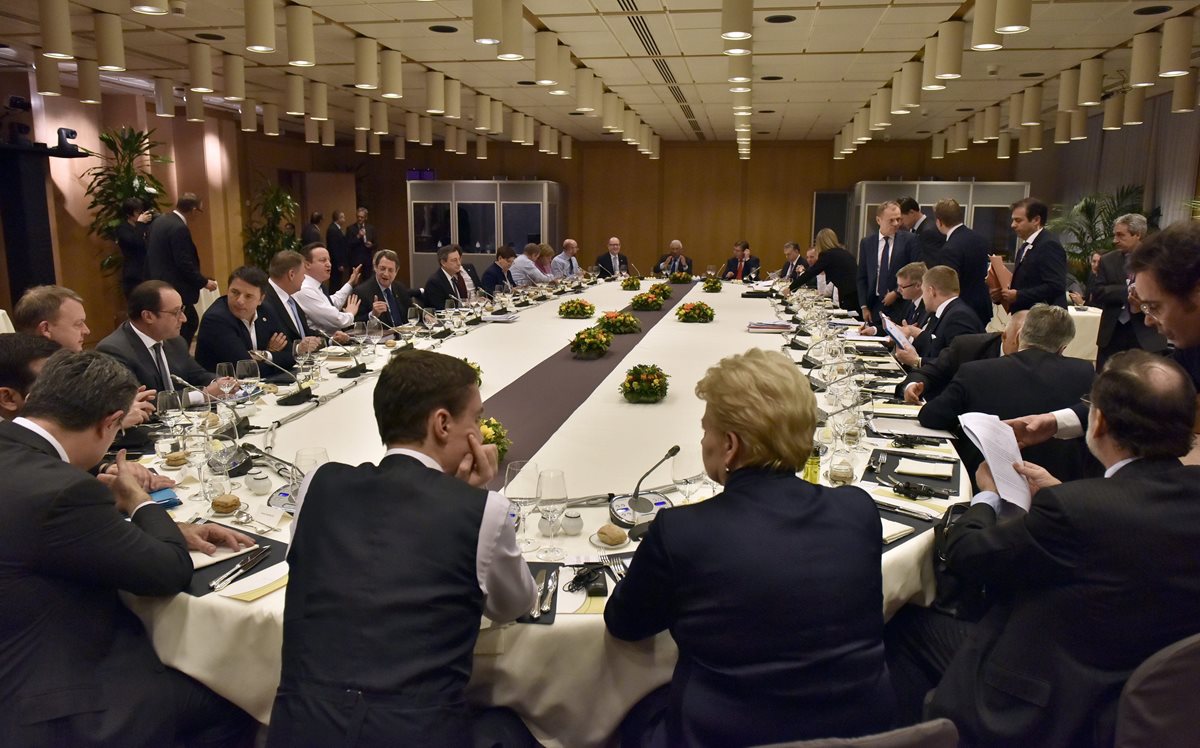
(595, 540)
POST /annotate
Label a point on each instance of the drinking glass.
(841, 469)
(306, 461)
(686, 475)
(225, 378)
(552, 502)
(358, 333)
(164, 447)
(303, 357)
(169, 407)
(248, 374)
(520, 488)
(374, 333)
(196, 448)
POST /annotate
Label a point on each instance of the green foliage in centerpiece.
(619, 323)
(644, 383)
(712, 285)
(631, 284)
(697, 311)
(591, 343)
(661, 290)
(478, 370)
(493, 432)
(576, 309)
(646, 302)
(680, 277)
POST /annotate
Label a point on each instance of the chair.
(6, 324)
(1159, 704)
(937, 733)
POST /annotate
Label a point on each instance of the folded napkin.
(201, 560)
(895, 409)
(257, 583)
(893, 531)
(943, 470)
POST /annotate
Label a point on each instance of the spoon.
(242, 517)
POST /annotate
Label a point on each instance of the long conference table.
(570, 681)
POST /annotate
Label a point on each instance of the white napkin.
(944, 470)
(201, 560)
(893, 531)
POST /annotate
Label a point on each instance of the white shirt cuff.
(139, 506)
(990, 498)
(1069, 426)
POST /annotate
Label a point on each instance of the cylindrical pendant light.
(518, 127)
(398, 148)
(260, 25)
(1016, 110)
(412, 127)
(199, 68)
(655, 148)
(631, 130)
(1062, 127)
(1023, 141)
(884, 97)
(610, 112)
(391, 74)
(553, 142)
(545, 60)
(149, 7)
(360, 141)
(512, 24)
(426, 130)
(896, 93)
(366, 63)
(483, 112)
(374, 146)
(435, 92)
(270, 119)
(1004, 146)
(949, 50)
(54, 21)
(544, 139)
(532, 129)
(938, 145)
(481, 146)
(1135, 100)
(1113, 106)
(293, 102)
(978, 133)
(193, 106)
(848, 143)
(312, 130)
(862, 126)
(1036, 136)
(301, 41)
(362, 113)
(991, 122)
(644, 139)
(328, 133)
(1013, 16)
(110, 42)
(910, 90)
(1079, 124)
(1091, 81)
(929, 81)
(736, 47)
(463, 138)
(486, 21)
(962, 137)
(838, 153)
(874, 114)
(379, 117)
(249, 115)
(1068, 90)
(565, 144)
(164, 97)
(597, 97)
(1143, 65)
(1176, 57)
(453, 99)
(743, 102)
(497, 117)
(566, 72)
(89, 81)
(1031, 109)
(233, 77)
(585, 90)
(320, 100)
(737, 19)
(1183, 93)
(741, 69)
(983, 27)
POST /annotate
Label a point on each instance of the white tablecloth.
(570, 681)
(6, 324)
(1087, 326)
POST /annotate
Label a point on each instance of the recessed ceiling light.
(439, 29)
(772, 77)
(1032, 75)
(964, 109)
(526, 83)
(576, 114)
(781, 18)
(210, 37)
(349, 85)
(766, 111)
(922, 132)
(1152, 10)
(763, 132)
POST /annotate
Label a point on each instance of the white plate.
(595, 540)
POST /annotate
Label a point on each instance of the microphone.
(351, 372)
(637, 273)
(207, 398)
(301, 395)
(638, 530)
(856, 369)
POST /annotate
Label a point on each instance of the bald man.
(612, 263)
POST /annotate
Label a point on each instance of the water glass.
(248, 374)
(226, 380)
(552, 502)
(520, 488)
(686, 473)
(306, 461)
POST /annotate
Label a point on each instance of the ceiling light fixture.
(379, 118)
(1183, 93)
(374, 146)
(328, 133)
(1013, 16)
(585, 90)
(929, 81)
(412, 127)
(319, 94)
(737, 19)
(164, 97)
(362, 113)
(483, 112)
(1135, 100)
(1176, 56)
(991, 122)
(435, 92)
(735, 47)
(897, 85)
(1062, 128)
(391, 74)
(949, 51)
(366, 63)
(360, 141)
(1079, 125)
(1031, 106)
(301, 42)
(1068, 90)
(260, 25)
(1113, 107)
(481, 146)
(199, 68)
(293, 101)
(566, 72)
(1143, 65)
(453, 99)
(271, 120)
(110, 42)
(1091, 81)
(486, 20)
(149, 7)
(249, 115)
(497, 117)
(545, 58)
(512, 22)
(984, 37)
(1004, 146)
(937, 146)
(88, 73)
(565, 144)
(54, 20)
(398, 148)
(426, 129)
(312, 131)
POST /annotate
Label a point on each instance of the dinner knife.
(539, 581)
(902, 510)
(550, 587)
(254, 560)
(247, 560)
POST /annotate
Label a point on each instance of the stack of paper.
(996, 440)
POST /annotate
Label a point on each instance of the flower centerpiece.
(680, 277)
(712, 285)
(646, 302)
(591, 343)
(493, 432)
(631, 284)
(661, 290)
(478, 371)
(619, 323)
(644, 383)
(697, 311)
(576, 309)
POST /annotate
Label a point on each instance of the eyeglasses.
(1150, 308)
(1086, 401)
(906, 286)
(180, 312)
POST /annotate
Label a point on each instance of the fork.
(616, 564)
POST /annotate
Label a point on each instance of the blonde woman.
(544, 258)
(771, 589)
(839, 268)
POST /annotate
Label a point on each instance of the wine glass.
(520, 488)
(685, 475)
(358, 333)
(552, 502)
(374, 333)
(196, 448)
(248, 374)
(302, 355)
(169, 407)
(306, 461)
(710, 271)
(226, 380)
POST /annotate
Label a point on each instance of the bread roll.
(226, 503)
(611, 535)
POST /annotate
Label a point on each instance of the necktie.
(1021, 252)
(885, 264)
(163, 373)
(460, 286)
(1127, 310)
(739, 272)
(393, 312)
(571, 264)
(294, 309)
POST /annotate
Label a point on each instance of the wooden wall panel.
(619, 194)
(704, 193)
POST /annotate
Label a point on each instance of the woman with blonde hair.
(544, 258)
(839, 268)
(772, 589)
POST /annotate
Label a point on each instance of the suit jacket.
(791, 270)
(358, 253)
(131, 238)
(1099, 575)
(956, 319)
(1029, 381)
(1110, 292)
(439, 288)
(368, 291)
(277, 311)
(124, 345)
(915, 313)
(662, 266)
(929, 242)
(841, 270)
(749, 270)
(903, 251)
(338, 245)
(494, 276)
(1041, 275)
(76, 666)
(799, 553)
(937, 372)
(223, 337)
(967, 252)
(309, 234)
(604, 261)
(171, 256)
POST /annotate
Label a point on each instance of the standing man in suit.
(793, 262)
(383, 296)
(131, 239)
(287, 278)
(338, 245)
(499, 271)
(1121, 326)
(880, 255)
(452, 279)
(235, 329)
(312, 230)
(361, 242)
(1040, 272)
(564, 264)
(674, 261)
(966, 252)
(949, 317)
(331, 313)
(928, 381)
(929, 239)
(743, 265)
(79, 668)
(611, 263)
(171, 256)
(1097, 576)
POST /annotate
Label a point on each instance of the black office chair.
(1159, 705)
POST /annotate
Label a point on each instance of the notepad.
(904, 427)
(943, 470)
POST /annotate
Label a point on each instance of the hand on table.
(206, 537)
(143, 408)
(913, 392)
(145, 477)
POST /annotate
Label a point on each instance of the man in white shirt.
(321, 310)
(524, 271)
(564, 265)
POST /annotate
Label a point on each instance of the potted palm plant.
(123, 173)
(271, 209)
(1086, 226)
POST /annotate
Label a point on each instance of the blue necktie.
(295, 311)
(391, 302)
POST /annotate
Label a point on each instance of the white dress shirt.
(500, 570)
(194, 398)
(285, 298)
(1029, 242)
(321, 310)
(951, 230)
(454, 287)
(564, 266)
(526, 273)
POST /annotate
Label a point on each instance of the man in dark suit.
(966, 252)
(498, 271)
(1121, 327)
(311, 233)
(53, 312)
(949, 317)
(612, 263)
(743, 265)
(928, 380)
(383, 296)
(286, 273)
(1035, 379)
(361, 242)
(1098, 575)
(235, 328)
(78, 666)
(1040, 272)
(452, 280)
(674, 261)
(171, 256)
(929, 239)
(793, 262)
(339, 249)
(880, 255)
(22, 356)
(149, 344)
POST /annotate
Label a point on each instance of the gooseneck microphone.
(207, 399)
(351, 372)
(300, 396)
(637, 503)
